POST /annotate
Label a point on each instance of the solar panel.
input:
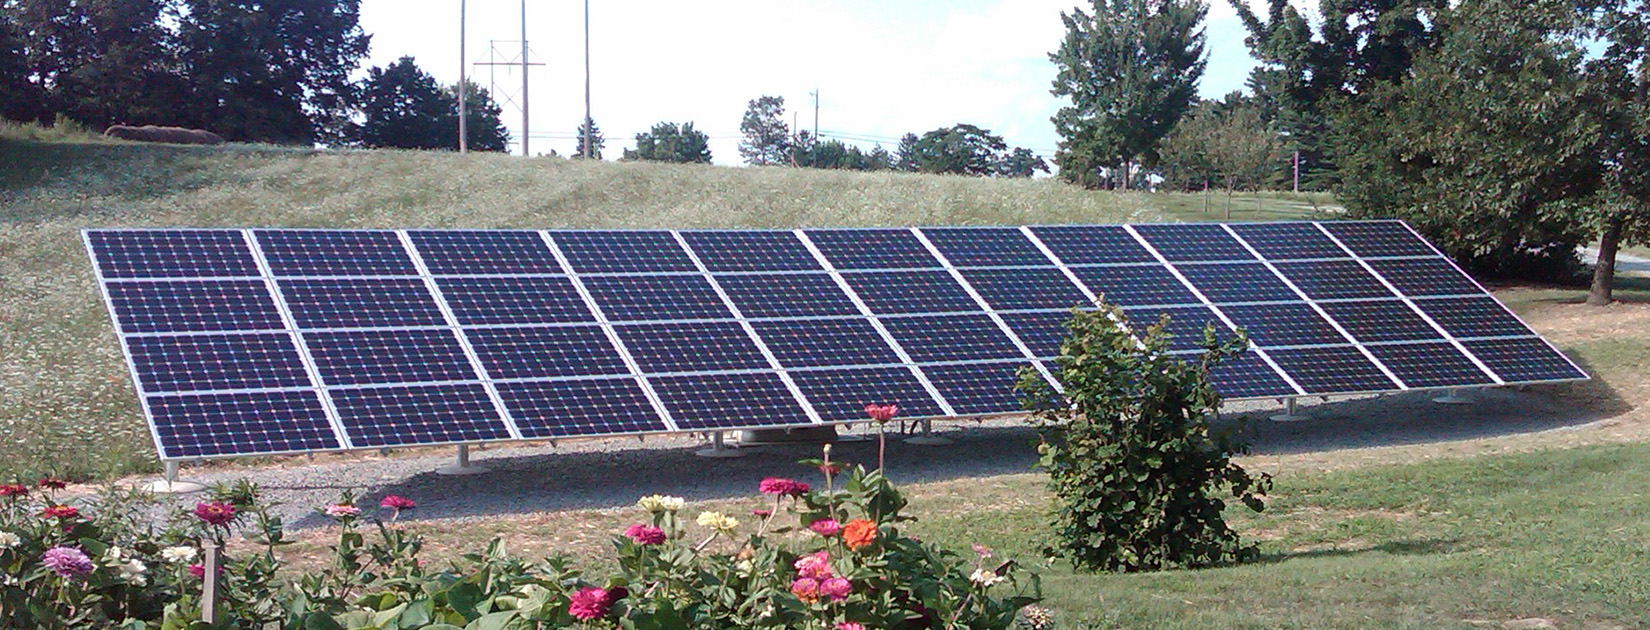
(245, 342)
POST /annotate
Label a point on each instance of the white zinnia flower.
(132, 572)
(178, 555)
(9, 540)
(984, 578)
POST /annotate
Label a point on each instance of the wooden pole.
(210, 561)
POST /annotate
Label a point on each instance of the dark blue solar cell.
(841, 395)
(720, 401)
(1381, 320)
(1237, 282)
(410, 416)
(1283, 325)
(890, 248)
(1185, 327)
(1043, 332)
(484, 252)
(1373, 239)
(1332, 370)
(895, 292)
(825, 342)
(1430, 365)
(335, 253)
(1247, 376)
(985, 246)
(1092, 244)
(544, 352)
(604, 406)
(368, 357)
(1026, 289)
(650, 298)
(1142, 285)
(693, 347)
(1418, 277)
(1179, 242)
(1473, 317)
(1334, 280)
(172, 254)
(751, 250)
(519, 300)
(787, 295)
(1286, 241)
(252, 423)
(591, 251)
(194, 305)
(190, 363)
(1526, 360)
(978, 388)
(361, 303)
(951, 338)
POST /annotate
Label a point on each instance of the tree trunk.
(1230, 182)
(1125, 175)
(1604, 273)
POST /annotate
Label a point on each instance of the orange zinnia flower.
(859, 533)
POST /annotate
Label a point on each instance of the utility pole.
(525, 130)
(588, 141)
(816, 113)
(463, 63)
(1297, 170)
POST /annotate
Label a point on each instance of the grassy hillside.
(66, 406)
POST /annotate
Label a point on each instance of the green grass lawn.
(1559, 534)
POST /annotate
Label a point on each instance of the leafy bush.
(831, 559)
(1134, 466)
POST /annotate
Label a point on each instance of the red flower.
(199, 571)
(831, 468)
(881, 413)
(53, 483)
(761, 513)
(779, 486)
(60, 511)
(593, 603)
(13, 490)
(645, 534)
(215, 512)
(397, 502)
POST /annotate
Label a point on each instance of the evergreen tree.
(1130, 69)
(667, 142)
(905, 154)
(403, 107)
(767, 138)
(589, 141)
(1020, 162)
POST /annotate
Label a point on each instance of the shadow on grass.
(1415, 547)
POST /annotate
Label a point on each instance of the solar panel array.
(263, 341)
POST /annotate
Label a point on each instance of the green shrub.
(1135, 468)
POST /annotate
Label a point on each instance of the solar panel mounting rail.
(273, 341)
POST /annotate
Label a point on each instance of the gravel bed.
(613, 473)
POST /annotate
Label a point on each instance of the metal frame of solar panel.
(268, 341)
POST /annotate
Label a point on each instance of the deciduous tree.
(767, 139)
(667, 142)
(403, 107)
(1130, 69)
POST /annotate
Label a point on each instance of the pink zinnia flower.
(826, 527)
(881, 413)
(779, 486)
(813, 565)
(645, 534)
(53, 483)
(397, 502)
(199, 571)
(215, 512)
(759, 513)
(340, 510)
(67, 562)
(805, 589)
(593, 603)
(835, 588)
(60, 511)
(849, 625)
(981, 550)
(13, 490)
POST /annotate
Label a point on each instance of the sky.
(881, 68)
